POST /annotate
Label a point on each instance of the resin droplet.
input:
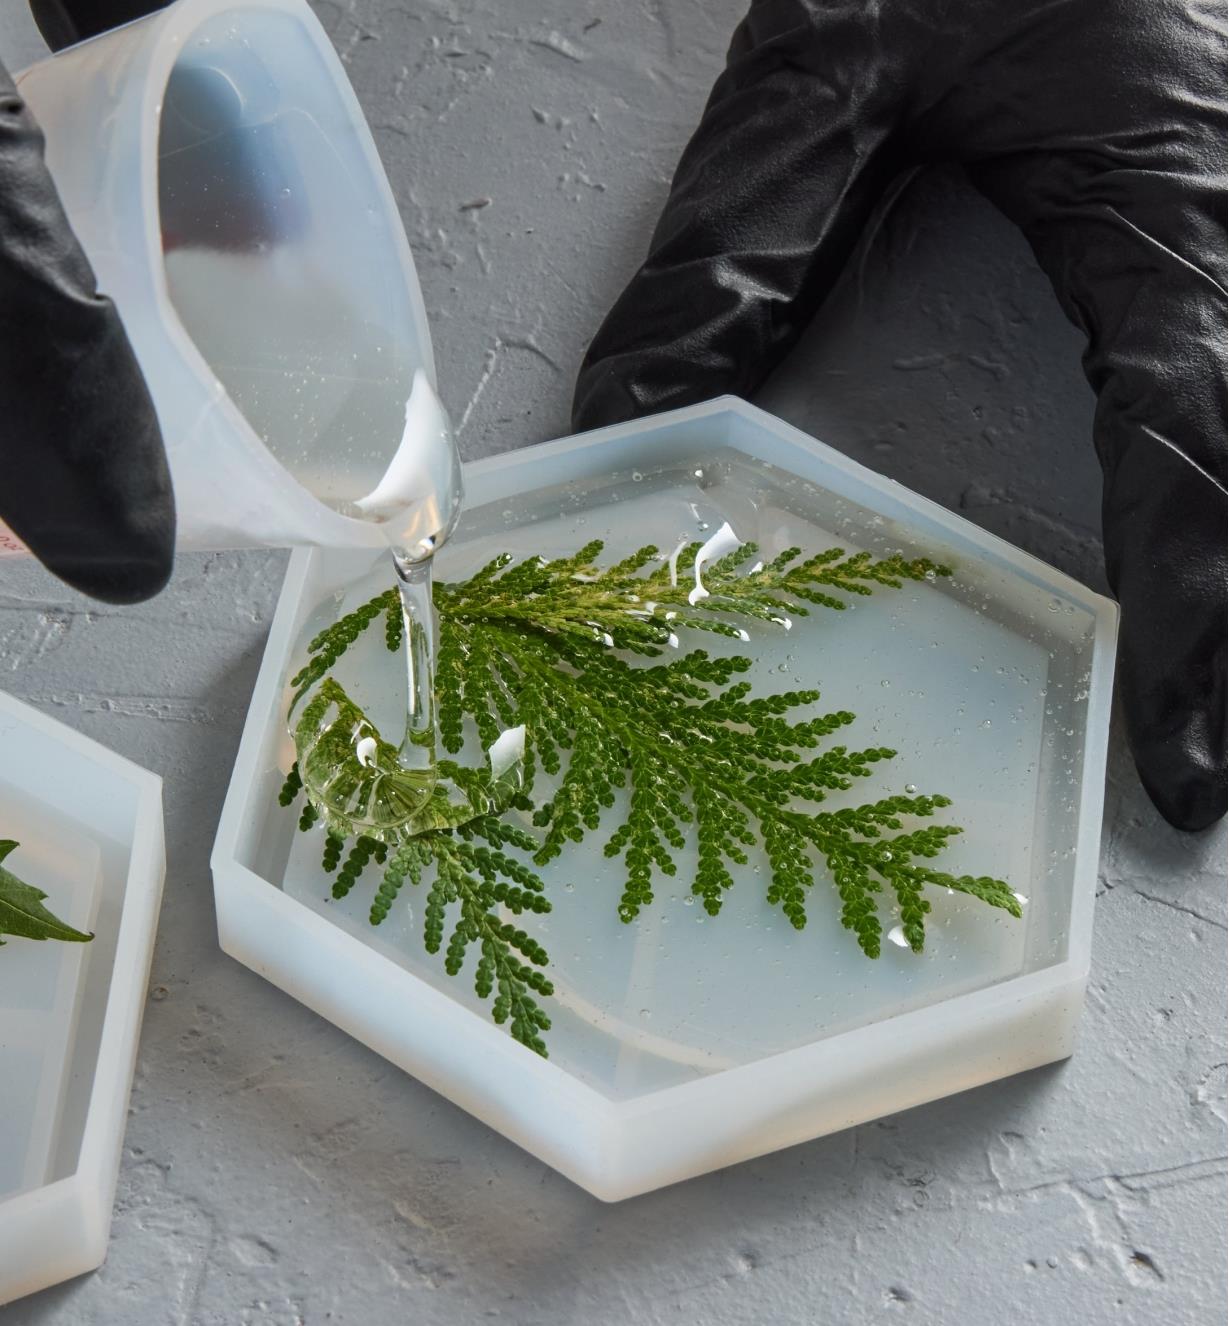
(715, 547)
(507, 751)
(673, 563)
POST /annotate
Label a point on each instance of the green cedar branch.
(543, 643)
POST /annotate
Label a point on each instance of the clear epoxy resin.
(951, 674)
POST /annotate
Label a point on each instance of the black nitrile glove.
(1098, 126)
(83, 476)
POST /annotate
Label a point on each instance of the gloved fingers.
(1159, 367)
(796, 144)
(1169, 554)
(1139, 266)
(83, 475)
(65, 22)
(225, 179)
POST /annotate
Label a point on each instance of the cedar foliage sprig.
(467, 844)
(543, 643)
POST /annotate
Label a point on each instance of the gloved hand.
(1098, 127)
(83, 475)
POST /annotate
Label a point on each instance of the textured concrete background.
(276, 1172)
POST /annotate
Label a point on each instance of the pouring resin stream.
(353, 774)
(357, 779)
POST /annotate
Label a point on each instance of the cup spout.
(418, 498)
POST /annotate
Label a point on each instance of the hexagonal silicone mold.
(89, 824)
(683, 1043)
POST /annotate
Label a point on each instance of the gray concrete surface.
(277, 1173)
